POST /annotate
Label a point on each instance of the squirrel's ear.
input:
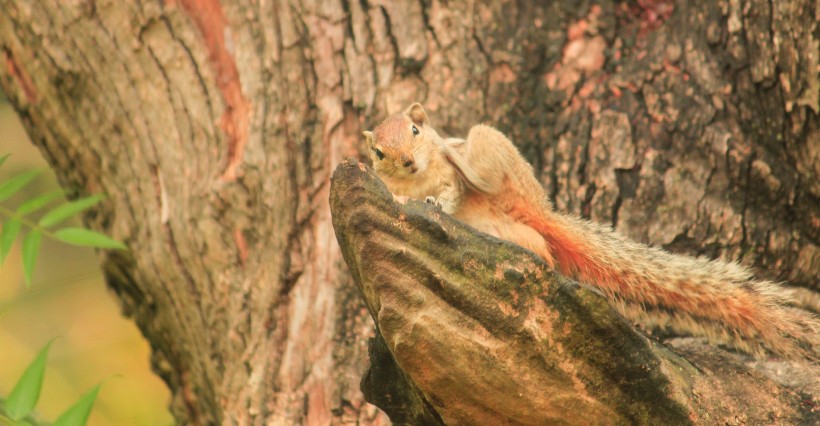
(368, 137)
(417, 114)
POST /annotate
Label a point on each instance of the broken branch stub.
(475, 330)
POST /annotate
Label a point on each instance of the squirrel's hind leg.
(491, 157)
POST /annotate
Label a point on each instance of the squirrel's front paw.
(401, 199)
(444, 204)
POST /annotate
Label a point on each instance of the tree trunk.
(214, 126)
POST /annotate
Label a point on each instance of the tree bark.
(214, 126)
(217, 180)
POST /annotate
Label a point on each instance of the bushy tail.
(712, 298)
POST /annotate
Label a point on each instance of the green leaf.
(3, 159)
(26, 392)
(37, 203)
(77, 414)
(10, 230)
(11, 186)
(67, 210)
(31, 245)
(88, 238)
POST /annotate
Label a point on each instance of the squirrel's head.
(401, 146)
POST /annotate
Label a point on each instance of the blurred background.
(68, 299)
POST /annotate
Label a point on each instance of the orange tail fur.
(693, 295)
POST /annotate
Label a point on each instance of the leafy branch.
(15, 219)
(18, 408)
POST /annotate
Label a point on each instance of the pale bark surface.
(217, 181)
(214, 126)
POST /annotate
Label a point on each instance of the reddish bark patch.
(654, 12)
(583, 55)
(20, 77)
(502, 74)
(210, 20)
(241, 246)
(651, 14)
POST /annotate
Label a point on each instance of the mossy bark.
(475, 330)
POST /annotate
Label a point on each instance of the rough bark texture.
(217, 181)
(214, 127)
(486, 334)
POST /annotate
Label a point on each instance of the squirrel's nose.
(407, 161)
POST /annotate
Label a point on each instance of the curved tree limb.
(482, 332)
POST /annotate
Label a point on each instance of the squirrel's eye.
(379, 154)
(415, 131)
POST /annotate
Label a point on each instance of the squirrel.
(484, 182)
